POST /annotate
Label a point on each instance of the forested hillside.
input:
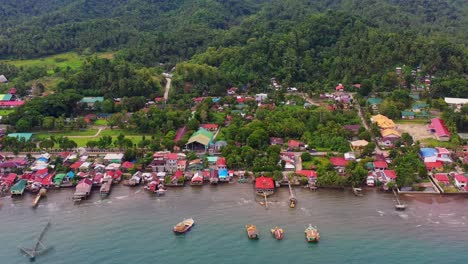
(305, 43)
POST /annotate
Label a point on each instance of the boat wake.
(121, 197)
(306, 211)
(404, 216)
(381, 213)
(138, 191)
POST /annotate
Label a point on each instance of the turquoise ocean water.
(134, 227)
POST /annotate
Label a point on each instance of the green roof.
(419, 105)
(202, 136)
(212, 159)
(5, 97)
(374, 101)
(422, 114)
(414, 96)
(407, 113)
(19, 136)
(92, 99)
(19, 187)
(59, 178)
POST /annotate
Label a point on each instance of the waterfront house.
(159, 163)
(264, 185)
(307, 173)
(434, 165)
(181, 164)
(460, 181)
(126, 166)
(389, 175)
(438, 127)
(276, 141)
(171, 162)
(339, 163)
(223, 175)
(296, 145)
(442, 178)
(380, 165)
(83, 189)
(221, 164)
(195, 165)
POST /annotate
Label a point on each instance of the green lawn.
(46, 134)
(414, 121)
(100, 122)
(6, 112)
(432, 143)
(81, 142)
(63, 60)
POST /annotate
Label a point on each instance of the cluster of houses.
(339, 97)
(388, 131)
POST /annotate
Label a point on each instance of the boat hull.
(184, 226)
(252, 232)
(312, 235)
(277, 233)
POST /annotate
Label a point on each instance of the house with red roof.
(127, 165)
(11, 104)
(171, 162)
(307, 173)
(340, 88)
(380, 165)
(182, 164)
(276, 141)
(209, 127)
(434, 165)
(460, 180)
(264, 185)
(296, 145)
(198, 99)
(221, 163)
(442, 178)
(232, 90)
(76, 165)
(339, 163)
(389, 175)
(438, 127)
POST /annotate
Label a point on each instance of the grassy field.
(6, 112)
(100, 122)
(432, 143)
(46, 134)
(62, 61)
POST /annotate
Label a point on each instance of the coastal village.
(243, 137)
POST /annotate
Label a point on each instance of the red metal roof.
(128, 165)
(264, 183)
(338, 161)
(380, 164)
(11, 103)
(221, 161)
(178, 174)
(209, 126)
(172, 156)
(461, 178)
(295, 143)
(76, 165)
(439, 127)
(307, 173)
(10, 178)
(390, 174)
(339, 87)
(433, 164)
(441, 177)
(182, 162)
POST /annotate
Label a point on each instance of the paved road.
(168, 87)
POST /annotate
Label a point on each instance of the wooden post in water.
(266, 201)
(399, 205)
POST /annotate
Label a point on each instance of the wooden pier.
(39, 247)
(399, 205)
(292, 197)
(42, 193)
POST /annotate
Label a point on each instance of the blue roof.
(223, 173)
(428, 152)
(71, 174)
(215, 99)
(42, 159)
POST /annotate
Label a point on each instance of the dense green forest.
(219, 43)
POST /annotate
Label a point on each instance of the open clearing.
(418, 131)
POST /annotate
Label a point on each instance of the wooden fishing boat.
(277, 232)
(197, 180)
(252, 232)
(312, 234)
(41, 193)
(292, 202)
(357, 191)
(183, 226)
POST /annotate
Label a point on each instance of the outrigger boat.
(252, 232)
(312, 234)
(183, 226)
(292, 202)
(277, 232)
(357, 191)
